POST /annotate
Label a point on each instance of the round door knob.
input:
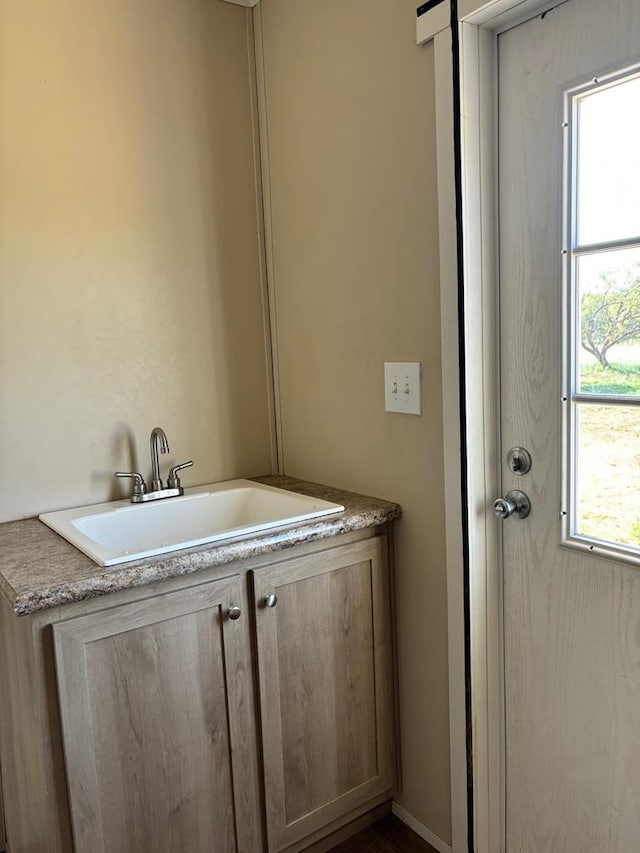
(270, 600)
(515, 504)
(234, 612)
(503, 508)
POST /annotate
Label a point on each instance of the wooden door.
(324, 663)
(571, 607)
(157, 718)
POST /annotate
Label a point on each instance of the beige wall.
(130, 289)
(351, 135)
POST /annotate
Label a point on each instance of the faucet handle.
(173, 481)
(139, 485)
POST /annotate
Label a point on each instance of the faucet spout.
(157, 440)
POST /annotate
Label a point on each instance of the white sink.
(117, 532)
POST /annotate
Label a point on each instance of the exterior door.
(569, 234)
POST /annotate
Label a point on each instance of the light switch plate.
(403, 387)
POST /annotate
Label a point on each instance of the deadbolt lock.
(519, 461)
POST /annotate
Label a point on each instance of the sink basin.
(117, 532)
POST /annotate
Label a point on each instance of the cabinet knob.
(270, 600)
(234, 612)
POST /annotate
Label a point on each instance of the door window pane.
(608, 473)
(602, 348)
(608, 164)
(608, 285)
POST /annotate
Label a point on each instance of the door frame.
(467, 210)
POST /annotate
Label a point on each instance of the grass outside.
(623, 379)
(609, 458)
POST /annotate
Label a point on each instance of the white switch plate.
(403, 387)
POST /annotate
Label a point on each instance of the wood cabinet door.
(3, 842)
(326, 698)
(157, 715)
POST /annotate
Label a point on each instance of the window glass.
(609, 319)
(608, 191)
(602, 348)
(608, 475)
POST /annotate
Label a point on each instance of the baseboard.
(421, 830)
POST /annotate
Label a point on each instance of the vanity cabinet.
(244, 709)
(3, 846)
(155, 708)
(325, 682)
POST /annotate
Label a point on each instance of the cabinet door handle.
(234, 612)
(270, 600)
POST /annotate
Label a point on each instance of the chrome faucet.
(158, 443)
(158, 437)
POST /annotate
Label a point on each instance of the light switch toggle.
(403, 387)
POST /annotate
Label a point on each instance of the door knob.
(234, 612)
(515, 504)
(270, 600)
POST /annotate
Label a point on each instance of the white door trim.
(480, 21)
(452, 437)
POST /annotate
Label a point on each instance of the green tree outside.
(611, 314)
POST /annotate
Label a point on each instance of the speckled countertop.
(39, 569)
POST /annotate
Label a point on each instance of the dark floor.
(388, 835)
